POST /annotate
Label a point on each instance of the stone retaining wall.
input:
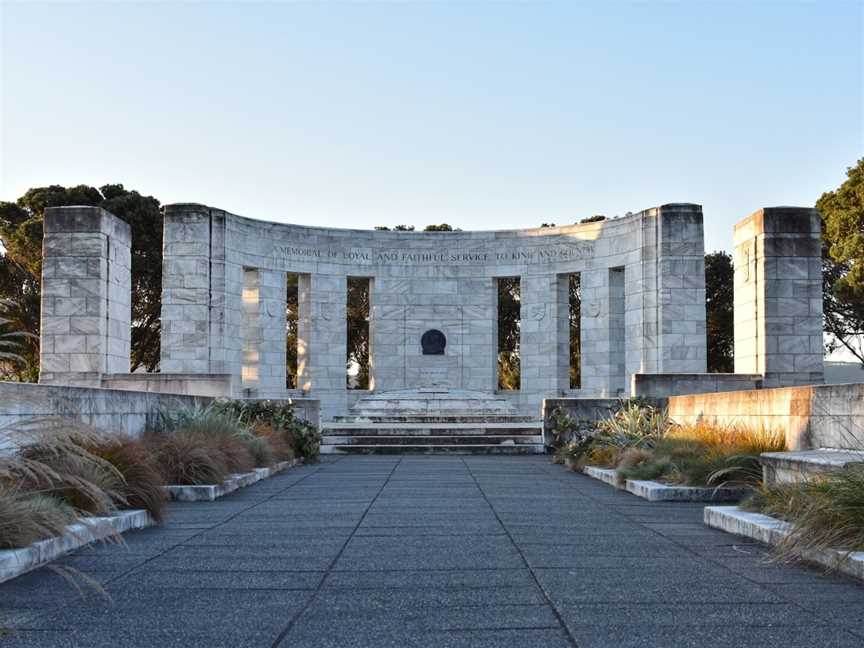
(131, 412)
(817, 416)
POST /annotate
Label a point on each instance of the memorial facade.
(233, 289)
(224, 303)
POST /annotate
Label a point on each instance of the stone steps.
(467, 417)
(435, 449)
(433, 421)
(412, 440)
(431, 428)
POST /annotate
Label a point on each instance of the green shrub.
(305, 438)
(634, 425)
(269, 419)
(252, 413)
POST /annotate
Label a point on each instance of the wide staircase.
(433, 421)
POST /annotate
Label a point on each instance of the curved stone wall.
(223, 306)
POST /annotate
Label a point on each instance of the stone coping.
(210, 492)
(828, 458)
(14, 562)
(771, 531)
(654, 491)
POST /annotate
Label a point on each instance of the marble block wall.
(778, 296)
(642, 279)
(86, 296)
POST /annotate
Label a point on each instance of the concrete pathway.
(426, 552)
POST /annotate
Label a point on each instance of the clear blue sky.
(482, 114)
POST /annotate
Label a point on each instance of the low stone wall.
(665, 385)
(131, 412)
(119, 410)
(212, 385)
(817, 416)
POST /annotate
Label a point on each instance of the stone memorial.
(433, 312)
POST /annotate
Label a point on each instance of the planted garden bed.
(14, 562)
(659, 492)
(638, 449)
(775, 532)
(210, 492)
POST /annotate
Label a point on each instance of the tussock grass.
(26, 518)
(825, 512)
(141, 486)
(641, 443)
(50, 456)
(700, 454)
(186, 460)
(260, 451)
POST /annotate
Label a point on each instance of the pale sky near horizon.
(485, 115)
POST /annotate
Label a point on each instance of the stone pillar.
(86, 296)
(681, 330)
(201, 323)
(272, 332)
(322, 340)
(778, 296)
(562, 338)
(539, 334)
(598, 368)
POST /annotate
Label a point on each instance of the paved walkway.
(426, 551)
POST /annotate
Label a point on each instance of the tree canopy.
(21, 265)
(842, 213)
(719, 318)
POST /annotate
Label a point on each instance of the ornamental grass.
(824, 512)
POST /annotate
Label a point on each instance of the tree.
(397, 228)
(21, 236)
(19, 296)
(843, 263)
(509, 327)
(719, 319)
(358, 308)
(443, 227)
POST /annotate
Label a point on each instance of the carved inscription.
(367, 256)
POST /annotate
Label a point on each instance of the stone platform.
(433, 421)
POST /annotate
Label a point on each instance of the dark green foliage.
(305, 438)
(292, 320)
(397, 228)
(719, 317)
(277, 414)
(358, 346)
(509, 327)
(443, 227)
(593, 219)
(842, 213)
(21, 269)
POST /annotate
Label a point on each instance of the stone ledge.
(771, 531)
(783, 467)
(210, 492)
(606, 475)
(659, 492)
(14, 562)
